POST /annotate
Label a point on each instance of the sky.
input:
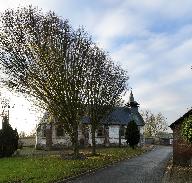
(151, 39)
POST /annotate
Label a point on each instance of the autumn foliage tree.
(43, 57)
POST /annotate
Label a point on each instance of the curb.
(167, 174)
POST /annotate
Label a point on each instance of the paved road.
(147, 168)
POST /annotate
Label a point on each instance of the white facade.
(64, 141)
(108, 134)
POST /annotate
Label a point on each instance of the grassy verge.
(51, 168)
(179, 174)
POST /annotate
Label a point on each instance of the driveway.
(147, 168)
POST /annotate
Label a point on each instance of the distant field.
(52, 167)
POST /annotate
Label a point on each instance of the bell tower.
(132, 103)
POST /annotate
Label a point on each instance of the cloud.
(172, 9)
(152, 39)
(139, 20)
(160, 73)
(158, 58)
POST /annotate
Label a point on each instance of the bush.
(187, 129)
(132, 134)
(8, 139)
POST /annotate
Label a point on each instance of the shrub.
(8, 139)
(132, 134)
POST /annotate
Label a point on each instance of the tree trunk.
(76, 143)
(106, 134)
(49, 137)
(93, 129)
(120, 128)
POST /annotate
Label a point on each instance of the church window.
(100, 132)
(59, 131)
(44, 130)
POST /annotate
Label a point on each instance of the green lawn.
(51, 168)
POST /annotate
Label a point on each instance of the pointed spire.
(131, 98)
(132, 102)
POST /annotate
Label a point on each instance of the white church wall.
(100, 140)
(114, 135)
(142, 139)
(40, 139)
(60, 141)
(65, 140)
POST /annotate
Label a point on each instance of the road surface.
(147, 168)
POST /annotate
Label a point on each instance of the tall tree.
(106, 83)
(43, 57)
(154, 123)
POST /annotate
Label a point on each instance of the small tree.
(154, 123)
(187, 129)
(8, 139)
(132, 134)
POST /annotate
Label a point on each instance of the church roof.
(120, 116)
(123, 115)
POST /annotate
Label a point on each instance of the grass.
(51, 168)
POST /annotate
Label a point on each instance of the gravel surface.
(147, 168)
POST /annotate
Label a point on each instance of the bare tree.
(43, 57)
(106, 83)
(154, 124)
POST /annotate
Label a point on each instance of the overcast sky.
(151, 39)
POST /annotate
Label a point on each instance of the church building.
(111, 131)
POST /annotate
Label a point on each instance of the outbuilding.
(182, 149)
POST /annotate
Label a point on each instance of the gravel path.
(147, 168)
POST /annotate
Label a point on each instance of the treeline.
(43, 57)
